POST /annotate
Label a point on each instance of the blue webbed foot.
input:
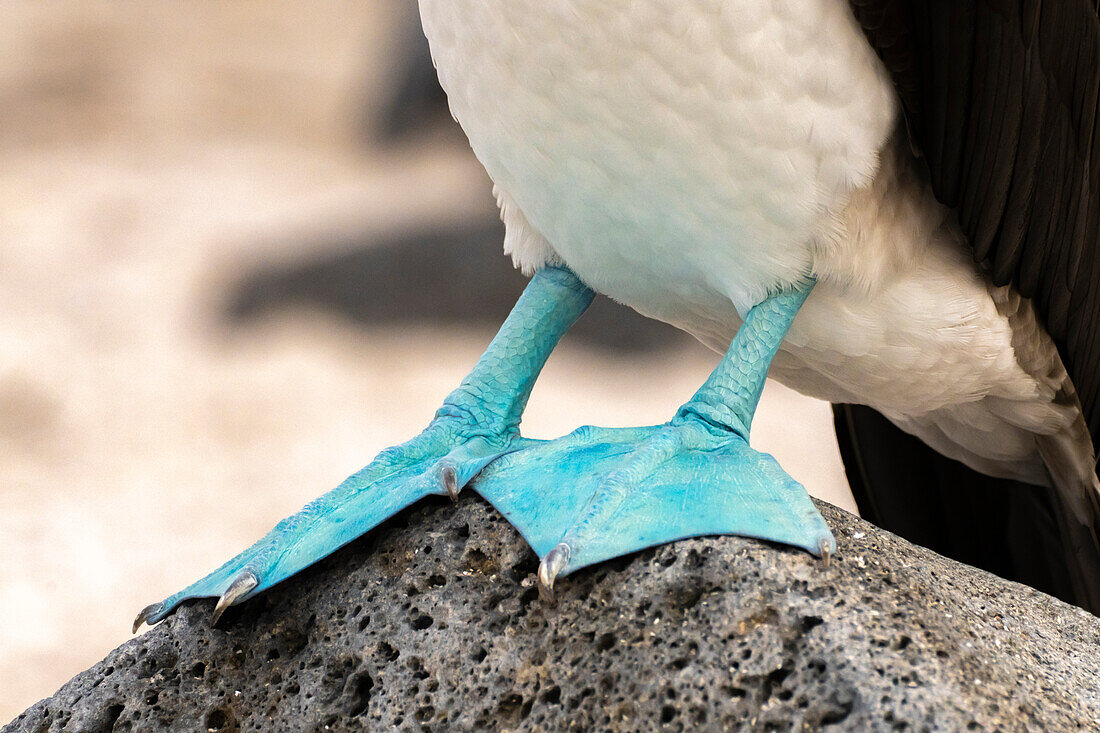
(595, 494)
(599, 493)
(439, 461)
(478, 422)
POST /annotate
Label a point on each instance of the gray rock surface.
(434, 621)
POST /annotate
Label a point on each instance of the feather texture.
(1001, 98)
(687, 157)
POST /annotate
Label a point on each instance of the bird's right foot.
(439, 461)
(478, 423)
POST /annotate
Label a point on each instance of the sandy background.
(221, 292)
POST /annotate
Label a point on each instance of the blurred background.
(242, 249)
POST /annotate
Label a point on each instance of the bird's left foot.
(600, 493)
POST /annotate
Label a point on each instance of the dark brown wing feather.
(1000, 98)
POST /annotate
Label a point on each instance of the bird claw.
(240, 587)
(450, 482)
(146, 613)
(824, 551)
(549, 568)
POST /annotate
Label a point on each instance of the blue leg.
(477, 423)
(599, 493)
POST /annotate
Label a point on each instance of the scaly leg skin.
(478, 422)
(599, 493)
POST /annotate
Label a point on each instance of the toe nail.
(243, 583)
(149, 611)
(450, 482)
(549, 568)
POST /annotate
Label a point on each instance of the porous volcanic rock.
(434, 621)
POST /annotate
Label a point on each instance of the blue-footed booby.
(883, 203)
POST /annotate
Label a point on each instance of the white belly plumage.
(686, 157)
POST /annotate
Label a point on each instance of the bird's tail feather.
(1075, 497)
